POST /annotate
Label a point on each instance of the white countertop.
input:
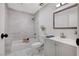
(68, 41)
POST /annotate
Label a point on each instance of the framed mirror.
(66, 18)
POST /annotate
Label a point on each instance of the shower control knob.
(4, 35)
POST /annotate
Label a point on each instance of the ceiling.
(30, 8)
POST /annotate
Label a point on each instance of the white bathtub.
(19, 48)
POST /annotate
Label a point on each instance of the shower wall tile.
(18, 26)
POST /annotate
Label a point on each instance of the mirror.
(66, 18)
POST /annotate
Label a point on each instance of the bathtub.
(19, 48)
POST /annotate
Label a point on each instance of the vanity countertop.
(68, 41)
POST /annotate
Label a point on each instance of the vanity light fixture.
(41, 4)
(60, 4)
(63, 3)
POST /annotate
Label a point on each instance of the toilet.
(38, 46)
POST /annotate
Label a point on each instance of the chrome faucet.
(62, 35)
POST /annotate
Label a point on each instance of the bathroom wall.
(36, 27)
(18, 25)
(45, 17)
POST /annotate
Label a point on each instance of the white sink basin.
(65, 40)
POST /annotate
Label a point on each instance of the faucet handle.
(62, 35)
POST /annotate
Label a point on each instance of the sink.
(49, 36)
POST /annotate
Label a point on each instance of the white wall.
(45, 17)
(18, 26)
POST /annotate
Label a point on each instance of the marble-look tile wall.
(18, 26)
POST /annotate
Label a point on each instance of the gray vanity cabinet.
(49, 48)
(58, 49)
(65, 50)
(54, 48)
